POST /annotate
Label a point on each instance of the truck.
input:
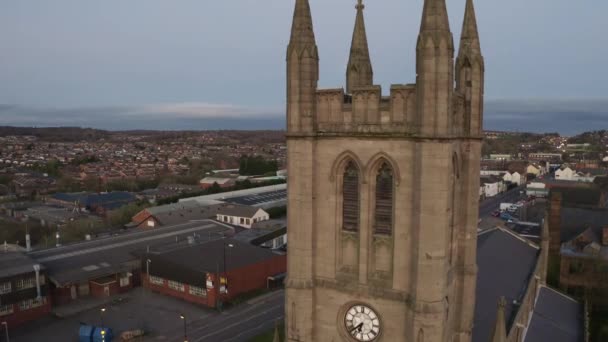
(91, 333)
(504, 206)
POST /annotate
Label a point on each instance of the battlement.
(366, 110)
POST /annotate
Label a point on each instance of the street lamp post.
(185, 331)
(148, 261)
(6, 331)
(101, 311)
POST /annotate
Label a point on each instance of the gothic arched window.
(350, 198)
(383, 214)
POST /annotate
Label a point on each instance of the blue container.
(90, 333)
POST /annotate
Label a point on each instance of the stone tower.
(383, 190)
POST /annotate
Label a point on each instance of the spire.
(302, 33)
(500, 332)
(359, 71)
(434, 16)
(469, 39)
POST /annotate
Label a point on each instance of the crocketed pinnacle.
(434, 16)
(359, 71)
(469, 40)
(500, 333)
(302, 33)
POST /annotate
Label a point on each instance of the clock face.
(362, 323)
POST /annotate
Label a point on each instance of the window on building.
(6, 309)
(176, 285)
(31, 303)
(197, 291)
(25, 283)
(248, 221)
(157, 280)
(242, 220)
(124, 281)
(350, 198)
(383, 215)
(5, 288)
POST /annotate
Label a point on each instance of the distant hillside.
(597, 138)
(66, 134)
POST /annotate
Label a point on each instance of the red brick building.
(201, 274)
(23, 289)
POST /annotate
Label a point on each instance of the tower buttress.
(302, 71)
(302, 78)
(359, 72)
(435, 70)
(470, 72)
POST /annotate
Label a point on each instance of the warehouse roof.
(97, 258)
(15, 263)
(190, 264)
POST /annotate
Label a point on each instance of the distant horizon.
(565, 116)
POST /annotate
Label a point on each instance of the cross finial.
(360, 5)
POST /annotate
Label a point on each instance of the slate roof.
(578, 196)
(183, 212)
(238, 210)
(505, 264)
(262, 231)
(189, 264)
(574, 221)
(15, 263)
(556, 318)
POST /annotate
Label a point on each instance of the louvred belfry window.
(383, 215)
(350, 198)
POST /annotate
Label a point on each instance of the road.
(487, 206)
(240, 323)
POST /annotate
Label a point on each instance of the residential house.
(175, 213)
(241, 215)
(564, 173)
(491, 186)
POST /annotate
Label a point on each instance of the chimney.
(28, 243)
(555, 218)
(605, 236)
(37, 270)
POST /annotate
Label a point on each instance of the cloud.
(567, 116)
(169, 116)
(205, 110)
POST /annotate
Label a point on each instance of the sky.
(70, 60)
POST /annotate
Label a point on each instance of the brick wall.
(240, 281)
(19, 317)
(555, 218)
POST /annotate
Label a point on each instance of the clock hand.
(358, 327)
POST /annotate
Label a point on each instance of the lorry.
(505, 206)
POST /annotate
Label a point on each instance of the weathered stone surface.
(420, 279)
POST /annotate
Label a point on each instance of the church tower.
(383, 190)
